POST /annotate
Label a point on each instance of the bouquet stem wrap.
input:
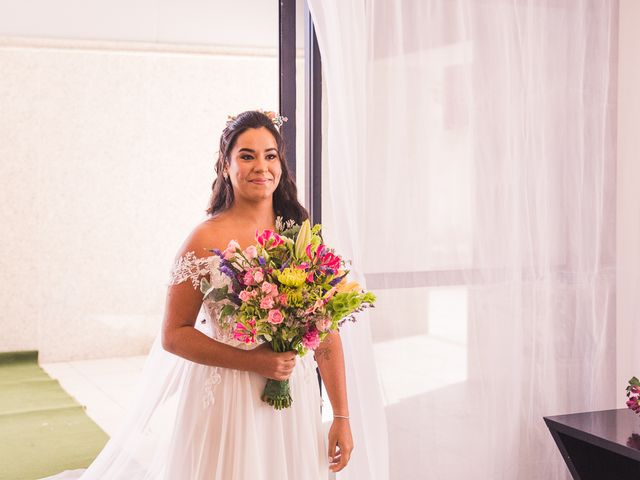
(276, 392)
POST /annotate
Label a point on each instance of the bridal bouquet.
(633, 394)
(289, 289)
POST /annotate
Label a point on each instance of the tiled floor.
(103, 386)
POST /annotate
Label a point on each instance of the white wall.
(217, 22)
(106, 162)
(628, 196)
(111, 114)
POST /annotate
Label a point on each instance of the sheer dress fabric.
(197, 422)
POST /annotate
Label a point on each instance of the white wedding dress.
(196, 422)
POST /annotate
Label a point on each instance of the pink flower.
(230, 251)
(247, 279)
(311, 339)
(275, 317)
(258, 276)
(270, 288)
(318, 304)
(251, 252)
(324, 258)
(310, 277)
(269, 239)
(282, 298)
(323, 324)
(331, 261)
(266, 303)
(245, 333)
(245, 295)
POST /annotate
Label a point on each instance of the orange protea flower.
(345, 286)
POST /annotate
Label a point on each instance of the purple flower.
(262, 261)
(228, 271)
(337, 280)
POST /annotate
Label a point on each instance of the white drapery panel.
(471, 178)
(370, 456)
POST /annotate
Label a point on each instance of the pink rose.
(247, 279)
(311, 339)
(266, 303)
(258, 276)
(323, 324)
(245, 295)
(282, 298)
(251, 252)
(275, 317)
(271, 289)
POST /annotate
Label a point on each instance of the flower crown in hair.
(275, 118)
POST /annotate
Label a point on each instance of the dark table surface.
(615, 430)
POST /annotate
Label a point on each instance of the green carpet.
(43, 430)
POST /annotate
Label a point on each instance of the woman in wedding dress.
(198, 413)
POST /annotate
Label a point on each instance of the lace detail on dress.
(190, 267)
(212, 380)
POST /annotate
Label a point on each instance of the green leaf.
(227, 311)
(635, 382)
(369, 298)
(204, 286)
(218, 294)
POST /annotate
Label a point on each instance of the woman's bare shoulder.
(204, 237)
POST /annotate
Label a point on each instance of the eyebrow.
(253, 151)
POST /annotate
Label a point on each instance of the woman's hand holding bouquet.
(289, 290)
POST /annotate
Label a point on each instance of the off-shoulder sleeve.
(190, 267)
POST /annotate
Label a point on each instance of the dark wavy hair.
(285, 196)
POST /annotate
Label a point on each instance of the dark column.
(287, 60)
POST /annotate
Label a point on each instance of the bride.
(198, 414)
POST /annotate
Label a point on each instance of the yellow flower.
(292, 277)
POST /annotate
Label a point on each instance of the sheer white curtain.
(471, 176)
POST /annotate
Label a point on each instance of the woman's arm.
(330, 359)
(179, 336)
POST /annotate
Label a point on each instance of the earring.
(225, 175)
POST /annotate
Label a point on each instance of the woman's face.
(254, 168)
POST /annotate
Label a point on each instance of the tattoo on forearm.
(322, 353)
